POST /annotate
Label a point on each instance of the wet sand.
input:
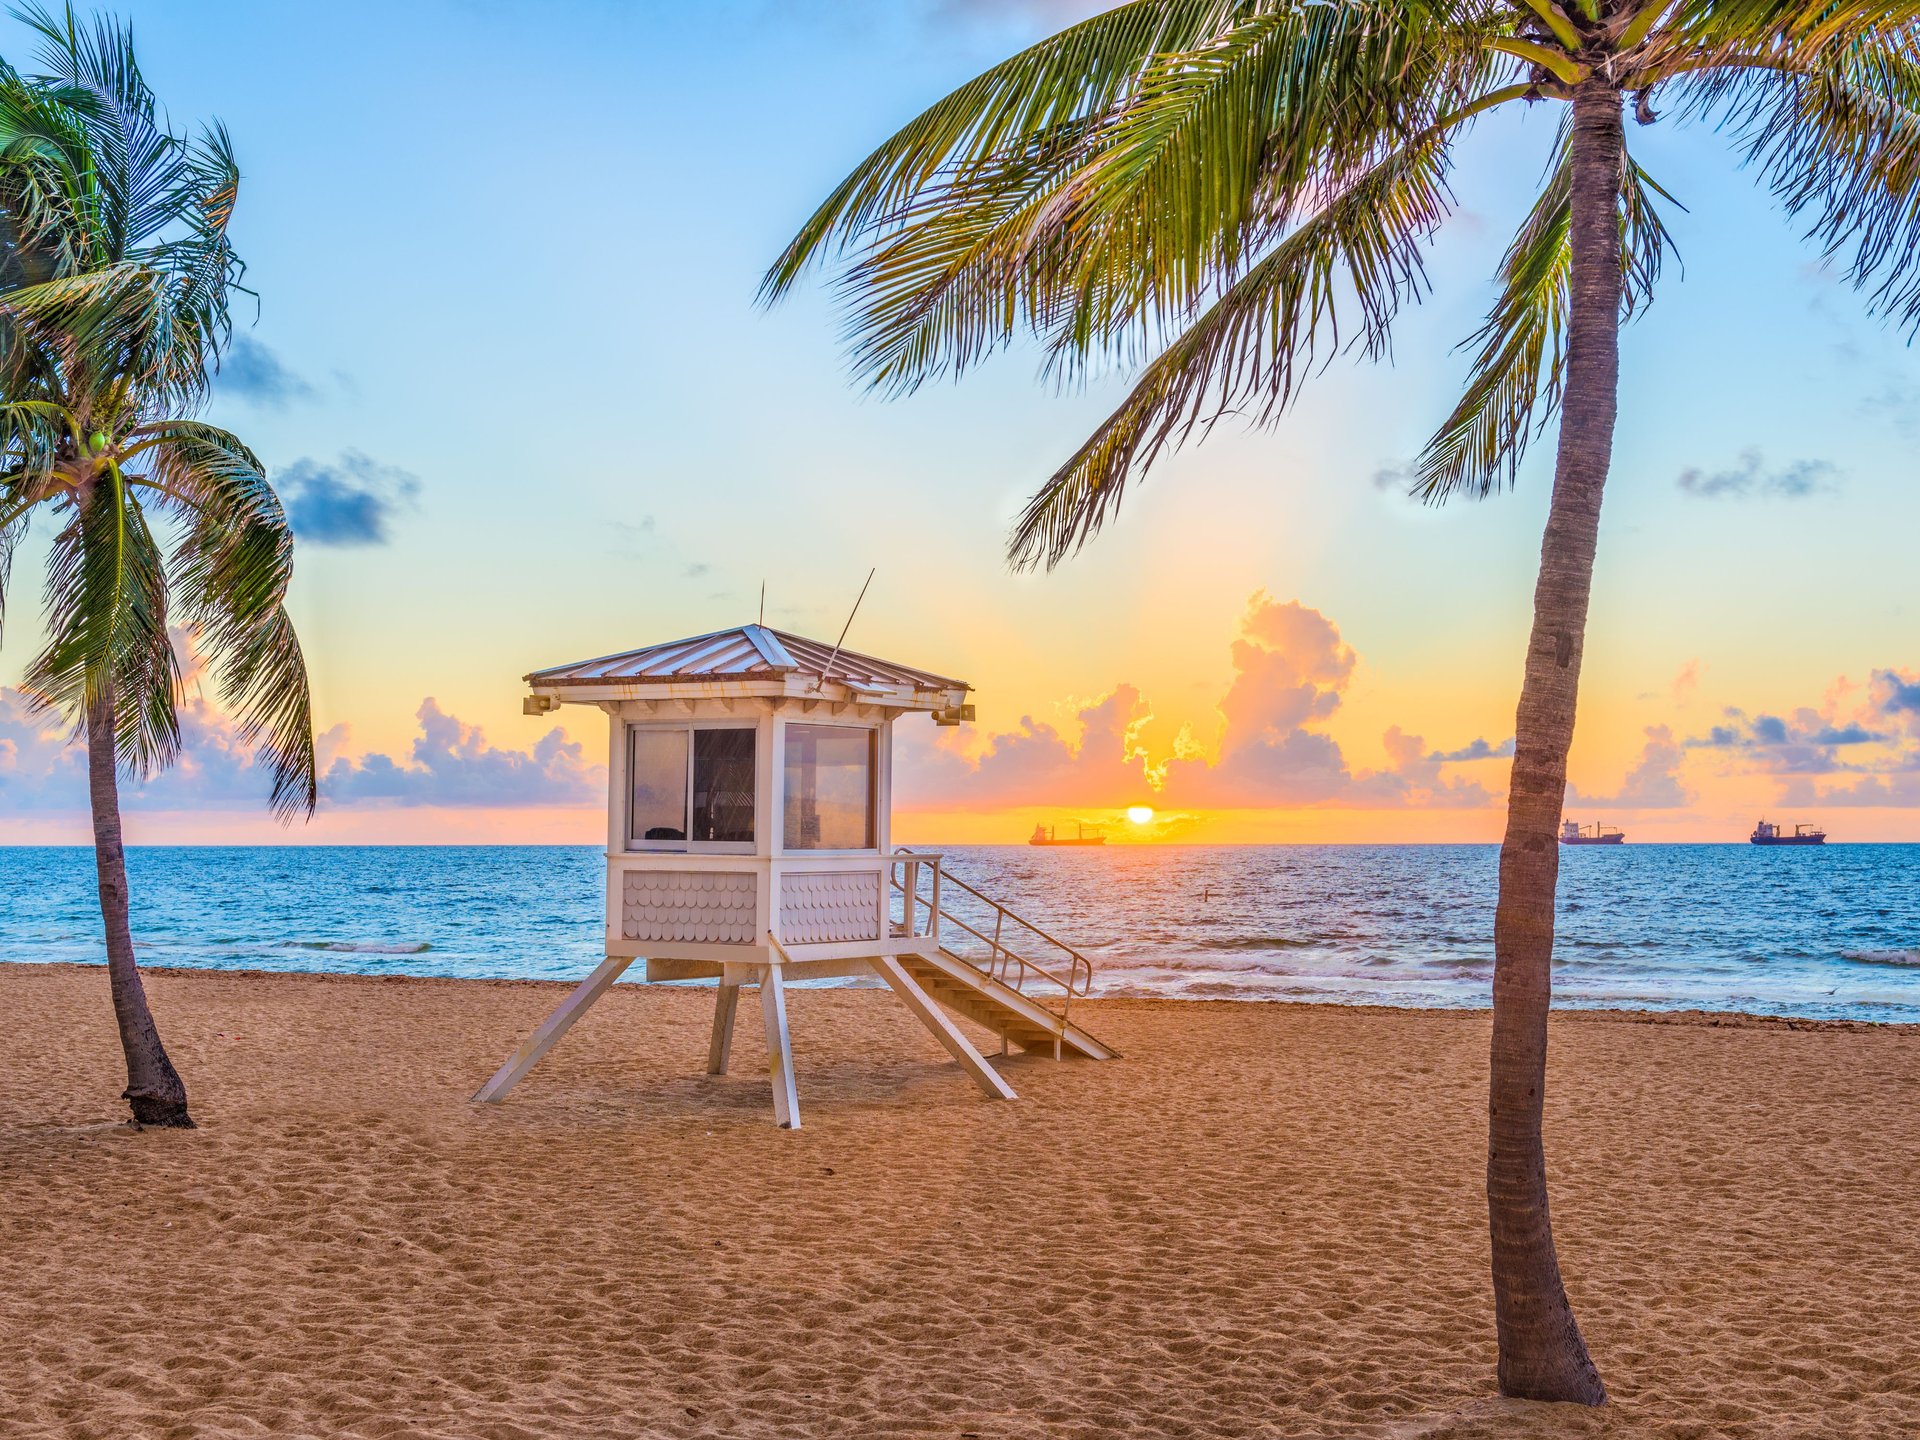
(1263, 1220)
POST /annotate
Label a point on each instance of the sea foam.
(354, 947)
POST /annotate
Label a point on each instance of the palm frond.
(1109, 229)
(1725, 36)
(139, 166)
(1147, 173)
(148, 325)
(1514, 384)
(96, 325)
(957, 278)
(1049, 88)
(44, 165)
(231, 569)
(1217, 153)
(31, 432)
(107, 626)
(16, 515)
(1250, 348)
(103, 188)
(1841, 146)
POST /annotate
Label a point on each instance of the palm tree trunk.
(154, 1088)
(1542, 1356)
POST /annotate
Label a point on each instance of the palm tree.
(115, 275)
(1223, 184)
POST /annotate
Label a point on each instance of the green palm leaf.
(138, 165)
(1103, 225)
(1049, 89)
(1514, 385)
(964, 271)
(107, 625)
(16, 515)
(1841, 145)
(231, 570)
(43, 168)
(1216, 155)
(1249, 349)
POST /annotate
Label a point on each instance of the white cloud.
(451, 763)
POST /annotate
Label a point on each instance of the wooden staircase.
(992, 991)
(996, 1006)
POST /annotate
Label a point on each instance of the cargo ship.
(1572, 834)
(1767, 833)
(1049, 835)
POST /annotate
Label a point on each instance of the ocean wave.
(1662, 927)
(1883, 957)
(1174, 965)
(354, 947)
(1259, 942)
(1217, 990)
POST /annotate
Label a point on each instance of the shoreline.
(1624, 1015)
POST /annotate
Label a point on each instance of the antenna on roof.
(843, 630)
(763, 602)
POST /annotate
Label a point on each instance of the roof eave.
(782, 687)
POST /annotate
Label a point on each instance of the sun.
(1140, 814)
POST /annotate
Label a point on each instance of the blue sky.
(507, 255)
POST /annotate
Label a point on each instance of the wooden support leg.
(773, 1010)
(725, 1001)
(928, 1012)
(552, 1028)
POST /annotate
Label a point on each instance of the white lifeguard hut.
(749, 842)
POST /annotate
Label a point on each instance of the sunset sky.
(509, 373)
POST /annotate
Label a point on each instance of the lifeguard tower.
(749, 842)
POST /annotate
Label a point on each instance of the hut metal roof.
(744, 653)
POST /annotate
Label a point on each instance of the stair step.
(959, 985)
(994, 1018)
(998, 1007)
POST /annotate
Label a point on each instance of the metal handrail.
(913, 860)
(1001, 957)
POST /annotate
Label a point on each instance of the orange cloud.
(1653, 783)
(1270, 749)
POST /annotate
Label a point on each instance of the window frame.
(689, 846)
(875, 753)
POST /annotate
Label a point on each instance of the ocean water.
(1826, 932)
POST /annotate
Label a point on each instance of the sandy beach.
(1264, 1220)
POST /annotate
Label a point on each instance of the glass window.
(723, 785)
(657, 765)
(690, 787)
(829, 789)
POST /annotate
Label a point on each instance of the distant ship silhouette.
(1767, 833)
(1048, 835)
(1595, 834)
